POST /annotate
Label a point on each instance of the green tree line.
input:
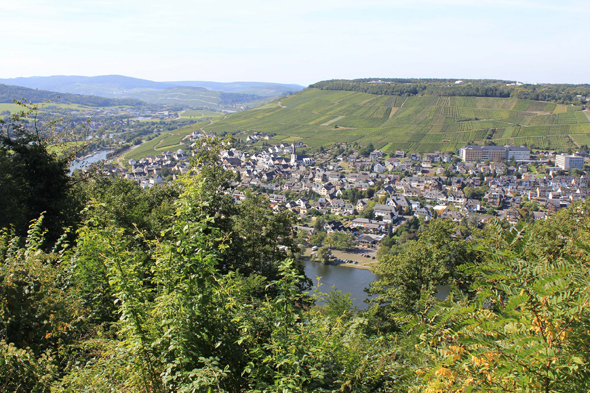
(560, 93)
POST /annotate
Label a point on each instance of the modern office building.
(494, 153)
(566, 162)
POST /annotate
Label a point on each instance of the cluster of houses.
(401, 185)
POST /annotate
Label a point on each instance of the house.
(385, 211)
(362, 204)
(378, 168)
(369, 239)
(376, 154)
(423, 212)
(348, 209)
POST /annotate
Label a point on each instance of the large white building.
(494, 153)
(566, 162)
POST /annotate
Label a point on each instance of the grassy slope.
(422, 124)
(14, 108)
(200, 114)
(177, 96)
(169, 140)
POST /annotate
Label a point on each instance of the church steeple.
(293, 155)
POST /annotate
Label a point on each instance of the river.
(345, 279)
(84, 162)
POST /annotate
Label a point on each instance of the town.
(369, 195)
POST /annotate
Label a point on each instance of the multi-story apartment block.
(494, 153)
(566, 162)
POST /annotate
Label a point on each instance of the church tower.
(293, 155)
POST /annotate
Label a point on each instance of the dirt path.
(123, 153)
(281, 105)
(333, 121)
(210, 122)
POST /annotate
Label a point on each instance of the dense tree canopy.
(33, 180)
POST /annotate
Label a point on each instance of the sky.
(301, 41)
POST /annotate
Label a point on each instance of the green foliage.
(40, 314)
(476, 192)
(33, 180)
(21, 371)
(338, 304)
(340, 240)
(433, 259)
(318, 238)
(469, 88)
(367, 150)
(526, 329)
(319, 353)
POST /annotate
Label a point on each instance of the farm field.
(60, 148)
(200, 114)
(423, 124)
(13, 108)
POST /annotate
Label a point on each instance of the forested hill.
(8, 93)
(559, 93)
(113, 86)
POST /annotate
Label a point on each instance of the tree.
(525, 330)
(324, 254)
(33, 180)
(318, 238)
(340, 240)
(367, 150)
(434, 259)
(40, 314)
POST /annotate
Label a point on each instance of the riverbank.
(86, 161)
(339, 264)
(365, 258)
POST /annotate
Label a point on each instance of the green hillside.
(193, 96)
(416, 123)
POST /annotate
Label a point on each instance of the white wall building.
(566, 162)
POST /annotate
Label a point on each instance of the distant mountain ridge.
(114, 85)
(9, 92)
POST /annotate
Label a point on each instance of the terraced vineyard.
(423, 124)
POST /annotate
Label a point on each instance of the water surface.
(344, 279)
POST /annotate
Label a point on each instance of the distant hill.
(117, 86)
(416, 121)
(8, 93)
(257, 88)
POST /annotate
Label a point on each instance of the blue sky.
(300, 41)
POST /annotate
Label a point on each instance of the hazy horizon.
(534, 41)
